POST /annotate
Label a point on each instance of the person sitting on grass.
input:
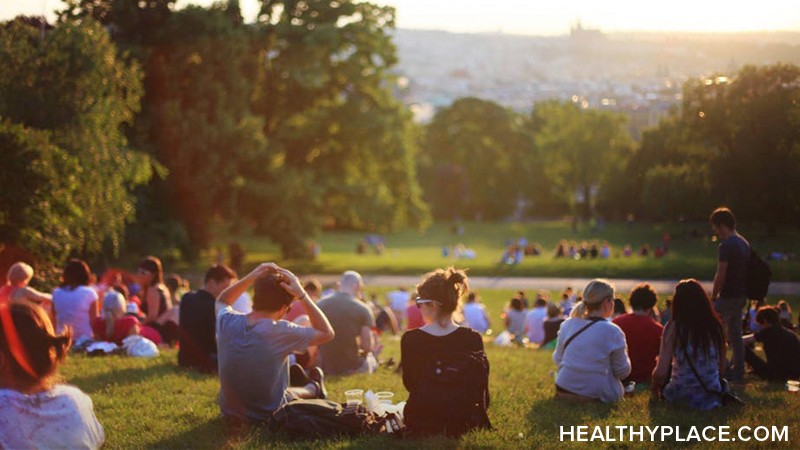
(114, 325)
(353, 322)
(445, 369)
(534, 322)
(156, 300)
(781, 348)
(75, 303)
(197, 326)
(35, 412)
(515, 320)
(254, 349)
(642, 333)
(785, 314)
(16, 287)
(591, 355)
(551, 326)
(475, 315)
(693, 343)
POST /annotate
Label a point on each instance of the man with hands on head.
(253, 349)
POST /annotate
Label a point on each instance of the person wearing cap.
(591, 353)
(253, 349)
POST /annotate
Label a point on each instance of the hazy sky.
(550, 17)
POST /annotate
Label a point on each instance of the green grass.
(153, 403)
(414, 252)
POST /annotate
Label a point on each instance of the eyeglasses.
(421, 301)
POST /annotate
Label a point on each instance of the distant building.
(580, 35)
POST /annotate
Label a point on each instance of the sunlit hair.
(153, 265)
(269, 295)
(19, 273)
(445, 286)
(696, 322)
(553, 310)
(723, 216)
(113, 308)
(44, 349)
(594, 294)
(768, 314)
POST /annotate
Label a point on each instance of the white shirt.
(475, 317)
(243, 304)
(398, 300)
(62, 417)
(535, 323)
(72, 308)
(595, 361)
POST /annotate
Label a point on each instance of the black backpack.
(758, 277)
(323, 419)
(451, 397)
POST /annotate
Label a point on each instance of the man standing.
(197, 323)
(352, 322)
(729, 292)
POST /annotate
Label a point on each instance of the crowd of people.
(277, 346)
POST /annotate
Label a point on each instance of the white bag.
(504, 339)
(139, 346)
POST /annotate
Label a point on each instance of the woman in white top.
(35, 412)
(591, 354)
(75, 303)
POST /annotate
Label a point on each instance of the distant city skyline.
(544, 17)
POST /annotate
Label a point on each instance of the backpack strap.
(592, 321)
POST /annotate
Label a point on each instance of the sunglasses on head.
(421, 301)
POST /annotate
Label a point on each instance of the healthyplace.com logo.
(661, 433)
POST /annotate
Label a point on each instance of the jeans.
(730, 311)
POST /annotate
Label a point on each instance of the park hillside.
(131, 128)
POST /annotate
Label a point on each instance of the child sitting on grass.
(35, 412)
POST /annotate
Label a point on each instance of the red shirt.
(414, 316)
(296, 310)
(122, 327)
(643, 336)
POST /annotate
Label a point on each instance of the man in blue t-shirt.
(729, 293)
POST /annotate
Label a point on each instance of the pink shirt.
(415, 319)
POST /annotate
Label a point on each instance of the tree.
(64, 96)
(578, 149)
(474, 162)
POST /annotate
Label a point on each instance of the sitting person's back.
(551, 326)
(35, 412)
(781, 347)
(75, 303)
(591, 354)
(197, 324)
(534, 322)
(444, 366)
(642, 333)
(254, 348)
(114, 325)
(352, 322)
(475, 315)
(693, 344)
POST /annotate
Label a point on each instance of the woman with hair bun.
(444, 366)
(35, 412)
(591, 354)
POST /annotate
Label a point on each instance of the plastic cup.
(354, 397)
(385, 397)
(630, 388)
(793, 386)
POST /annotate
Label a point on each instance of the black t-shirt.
(418, 348)
(198, 343)
(783, 352)
(736, 252)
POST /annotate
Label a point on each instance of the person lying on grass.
(253, 349)
(35, 412)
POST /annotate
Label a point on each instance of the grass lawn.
(152, 403)
(413, 252)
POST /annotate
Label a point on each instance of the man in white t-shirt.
(475, 315)
(534, 322)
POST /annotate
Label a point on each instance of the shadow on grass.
(546, 416)
(212, 433)
(130, 375)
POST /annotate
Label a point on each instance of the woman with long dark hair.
(75, 303)
(693, 341)
(156, 301)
